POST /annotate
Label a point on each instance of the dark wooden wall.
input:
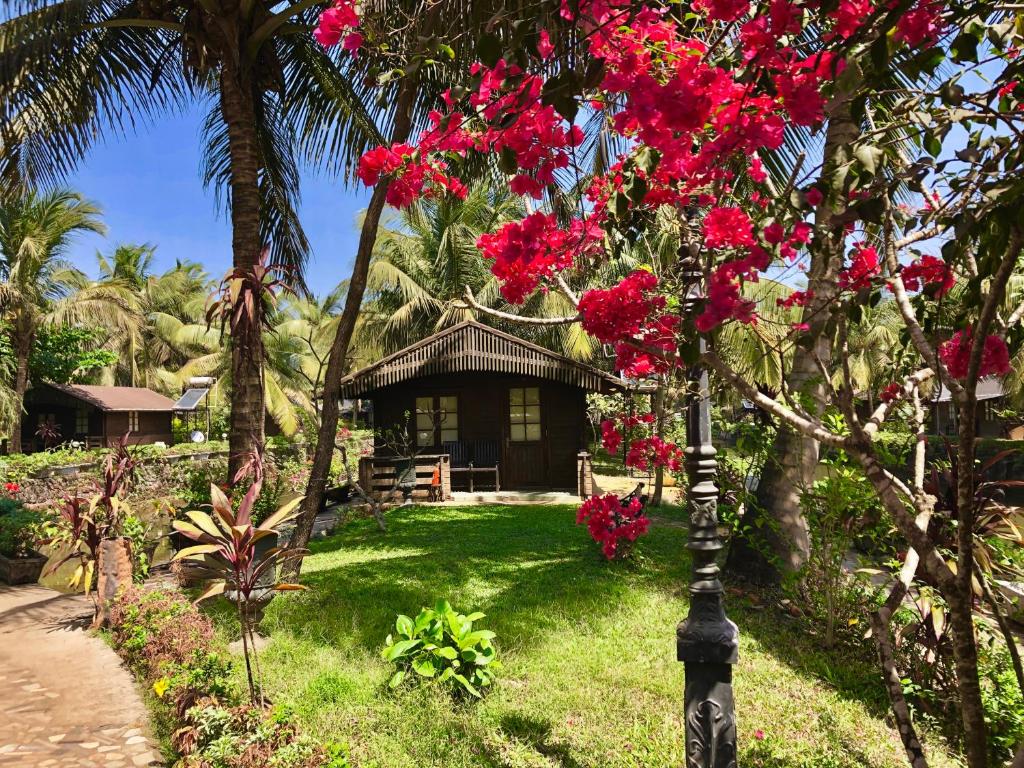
(484, 415)
(154, 427)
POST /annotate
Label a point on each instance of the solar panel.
(191, 399)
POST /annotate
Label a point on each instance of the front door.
(524, 464)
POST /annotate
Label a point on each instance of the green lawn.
(590, 677)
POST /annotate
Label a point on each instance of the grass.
(589, 678)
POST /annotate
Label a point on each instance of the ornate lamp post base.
(706, 641)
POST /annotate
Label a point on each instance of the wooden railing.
(379, 476)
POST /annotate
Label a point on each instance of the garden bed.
(588, 651)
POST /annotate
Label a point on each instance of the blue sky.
(149, 187)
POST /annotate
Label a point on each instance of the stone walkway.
(65, 699)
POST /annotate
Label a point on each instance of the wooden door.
(525, 459)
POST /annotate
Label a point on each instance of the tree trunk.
(327, 431)
(23, 337)
(245, 434)
(965, 652)
(775, 539)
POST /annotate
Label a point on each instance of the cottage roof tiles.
(117, 398)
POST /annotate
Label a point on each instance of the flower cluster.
(864, 266)
(411, 176)
(955, 354)
(12, 489)
(928, 271)
(525, 252)
(891, 392)
(612, 524)
(336, 22)
(646, 452)
(620, 312)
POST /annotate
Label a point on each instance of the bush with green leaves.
(20, 530)
(440, 644)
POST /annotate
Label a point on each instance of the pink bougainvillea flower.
(928, 271)
(890, 393)
(956, 356)
(863, 267)
(728, 227)
(335, 22)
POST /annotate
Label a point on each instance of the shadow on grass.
(528, 568)
(531, 570)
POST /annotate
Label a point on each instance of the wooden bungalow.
(485, 409)
(96, 416)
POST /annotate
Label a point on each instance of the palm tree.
(180, 292)
(37, 285)
(72, 72)
(205, 353)
(302, 339)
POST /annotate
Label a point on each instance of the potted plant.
(20, 528)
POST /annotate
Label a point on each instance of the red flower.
(813, 196)
(722, 10)
(921, 25)
(890, 393)
(928, 270)
(12, 488)
(863, 267)
(611, 524)
(727, 227)
(335, 22)
(796, 299)
(956, 355)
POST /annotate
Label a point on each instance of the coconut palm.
(180, 292)
(206, 353)
(303, 334)
(73, 72)
(37, 284)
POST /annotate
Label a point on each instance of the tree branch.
(474, 304)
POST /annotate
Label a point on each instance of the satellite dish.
(197, 437)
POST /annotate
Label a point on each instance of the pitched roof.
(117, 398)
(988, 389)
(471, 346)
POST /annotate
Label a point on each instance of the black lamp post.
(706, 641)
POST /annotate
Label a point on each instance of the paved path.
(65, 699)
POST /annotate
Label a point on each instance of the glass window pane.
(449, 435)
(515, 396)
(532, 395)
(425, 404)
(518, 432)
(424, 421)
(425, 438)
(515, 415)
(449, 403)
(533, 431)
(532, 415)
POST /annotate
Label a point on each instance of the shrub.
(441, 644)
(20, 529)
(614, 523)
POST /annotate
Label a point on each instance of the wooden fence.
(379, 476)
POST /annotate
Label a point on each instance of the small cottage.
(95, 416)
(496, 411)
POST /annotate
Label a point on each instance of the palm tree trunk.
(24, 335)
(327, 432)
(245, 434)
(775, 538)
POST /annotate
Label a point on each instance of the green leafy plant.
(20, 530)
(441, 644)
